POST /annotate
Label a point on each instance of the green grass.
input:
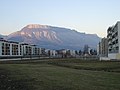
(60, 75)
(109, 66)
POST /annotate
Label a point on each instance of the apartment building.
(10, 48)
(51, 53)
(103, 48)
(113, 35)
(15, 49)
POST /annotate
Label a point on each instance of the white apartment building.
(15, 49)
(51, 53)
(113, 35)
(30, 49)
(10, 48)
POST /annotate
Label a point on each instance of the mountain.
(54, 37)
(3, 36)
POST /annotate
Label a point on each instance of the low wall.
(112, 56)
(104, 58)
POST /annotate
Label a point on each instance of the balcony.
(109, 34)
(109, 43)
(113, 51)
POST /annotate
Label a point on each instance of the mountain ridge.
(54, 37)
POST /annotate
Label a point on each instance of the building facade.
(9, 48)
(103, 48)
(15, 49)
(30, 50)
(113, 35)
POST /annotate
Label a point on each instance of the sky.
(89, 16)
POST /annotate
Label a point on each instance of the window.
(14, 49)
(5, 49)
(117, 41)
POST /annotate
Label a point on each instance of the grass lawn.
(60, 75)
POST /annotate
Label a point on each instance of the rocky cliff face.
(54, 37)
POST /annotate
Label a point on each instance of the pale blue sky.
(89, 16)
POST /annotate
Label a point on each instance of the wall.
(119, 35)
(112, 55)
(118, 56)
(0, 48)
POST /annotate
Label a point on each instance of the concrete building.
(72, 53)
(51, 53)
(28, 50)
(86, 49)
(113, 35)
(42, 51)
(103, 48)
(16, 49)
(10, 48)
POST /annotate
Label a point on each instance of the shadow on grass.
(8, 83)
